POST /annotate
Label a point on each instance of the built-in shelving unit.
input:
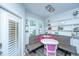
(67, 19)
(65, 26)
(70, 25)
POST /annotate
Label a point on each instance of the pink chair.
(50, 50)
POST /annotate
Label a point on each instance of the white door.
(10, 33)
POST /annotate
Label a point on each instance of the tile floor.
(40, 52)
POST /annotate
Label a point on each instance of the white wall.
(16, 8)
(37, 21)
(68, 19)
(20, 11)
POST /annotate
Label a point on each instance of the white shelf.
(67, 25)
(62, 30)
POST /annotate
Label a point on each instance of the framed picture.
(32, 23)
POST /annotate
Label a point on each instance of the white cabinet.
(75, 42)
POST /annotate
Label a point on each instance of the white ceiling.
(39, 8)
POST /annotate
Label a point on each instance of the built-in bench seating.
(67, 49)
(64, 44)
(32, 47)
(33, 44)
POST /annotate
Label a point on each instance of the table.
(49, 41)
(48, 45)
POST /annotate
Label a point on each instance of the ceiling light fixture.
(49, 8)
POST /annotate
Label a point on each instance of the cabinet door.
(74, 42)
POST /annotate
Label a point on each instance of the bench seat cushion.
(68, 48)
(34, 46)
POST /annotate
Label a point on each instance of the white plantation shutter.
(12, 42)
